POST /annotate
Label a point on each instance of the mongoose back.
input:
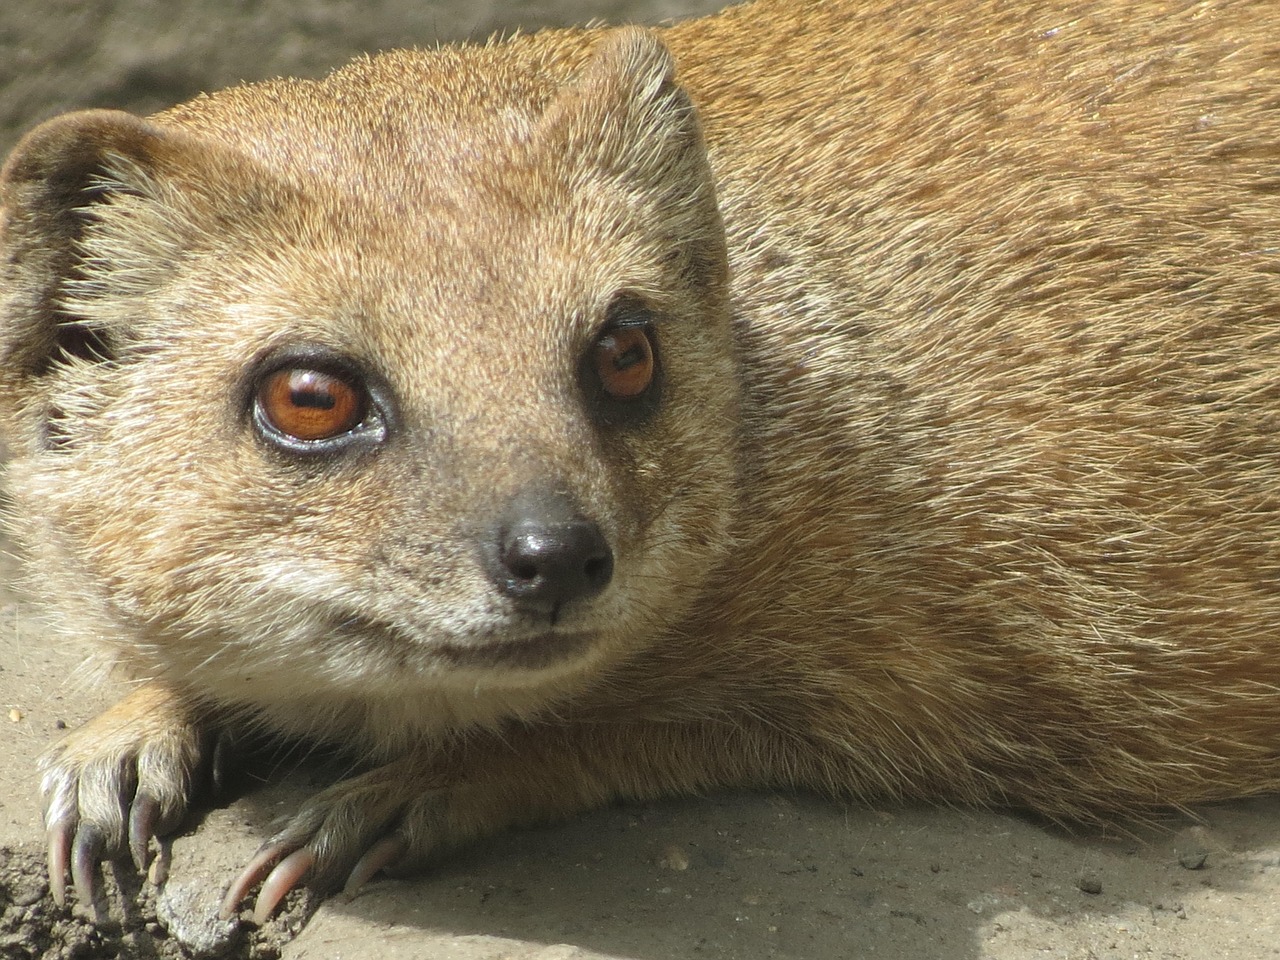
(873, 399)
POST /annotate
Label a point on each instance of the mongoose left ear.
(49, 188)
(64, 180)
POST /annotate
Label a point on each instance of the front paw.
(122, 779)
(394, 815)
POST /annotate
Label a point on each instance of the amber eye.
(310, 405)
(624, 362)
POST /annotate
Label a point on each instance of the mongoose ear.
(625, 114)
(627, 118)
(66, 176)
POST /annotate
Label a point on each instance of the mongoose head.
(414, 379)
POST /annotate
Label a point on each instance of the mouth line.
(530, 652)
(533, 650)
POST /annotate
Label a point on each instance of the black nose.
(547, 554)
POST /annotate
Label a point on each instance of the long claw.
(378, 857)
(284, 877)
(59, 862)
(258, 868)
(142, 827)
(84, 861)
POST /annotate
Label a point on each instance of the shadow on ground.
(766, 875)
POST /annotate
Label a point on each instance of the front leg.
(403, 814)
(118, 781)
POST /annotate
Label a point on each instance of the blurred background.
(143, 55)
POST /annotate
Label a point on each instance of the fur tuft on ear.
(625, 114)
(632, 65)
(65, 179)
(626, 119)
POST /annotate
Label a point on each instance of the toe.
(287, 874)
(258, 868)
(86, 852)
(378, 857)
(61, 835)
(144, 815)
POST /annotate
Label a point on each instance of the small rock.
(1089, 884)
(983, 903)
(29, 893)
(674, 858)
(1194, 859)
(189, 911)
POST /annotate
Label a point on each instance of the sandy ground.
(731, 876)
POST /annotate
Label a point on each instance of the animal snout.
(547, 554)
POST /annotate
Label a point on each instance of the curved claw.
(377, 858)
(60, 836)
(286, 875)
(143, 820)
(257, 868)
(86, 853)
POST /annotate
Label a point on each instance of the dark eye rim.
(625, 312)
(374, 428)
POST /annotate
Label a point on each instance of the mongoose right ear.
(625, 116)
(625, 112)
(61, 179)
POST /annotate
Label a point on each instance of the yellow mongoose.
(872, 398)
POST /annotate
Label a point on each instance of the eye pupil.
(309, 405)
(624, 362)
(312, 398)
(629, 359)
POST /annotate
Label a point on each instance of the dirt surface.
(732, 876)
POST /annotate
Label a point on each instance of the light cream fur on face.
(955, 478)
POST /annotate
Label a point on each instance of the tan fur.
(964, 481)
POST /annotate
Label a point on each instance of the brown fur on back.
(1006, 279)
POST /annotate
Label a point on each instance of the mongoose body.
(873, 399)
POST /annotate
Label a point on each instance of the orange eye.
(624, 362)
(310, 404)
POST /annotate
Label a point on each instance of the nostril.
(522, 568)
(599, 569)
